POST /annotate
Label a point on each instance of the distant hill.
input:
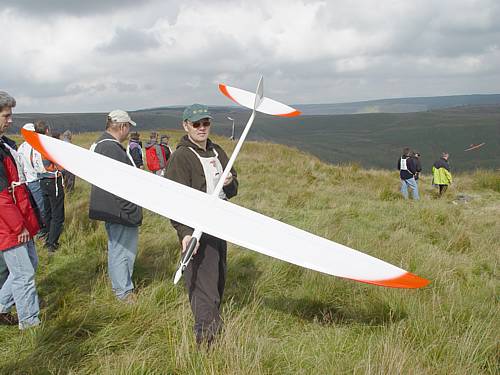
(376, 140)
(373, 139)
(399, 105)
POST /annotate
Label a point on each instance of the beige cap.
(121, 116)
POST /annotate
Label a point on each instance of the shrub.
(488, 180)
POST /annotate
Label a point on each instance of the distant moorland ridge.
(373, 140)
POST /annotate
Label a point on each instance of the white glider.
(235, 224)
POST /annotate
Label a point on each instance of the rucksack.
(152, 159)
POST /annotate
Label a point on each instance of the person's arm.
(160, 155)
(419, 165)
(411, 165)
(447, 175)
(10, 216)
(137, 157)
(50, 166)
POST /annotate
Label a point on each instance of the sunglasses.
(197, 124)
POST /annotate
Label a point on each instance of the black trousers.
(54, 208)
(205, 278)
(442, 189)
(69, 181)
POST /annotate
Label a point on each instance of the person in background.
(199, 163)
(134, 149)
(441, 174)
(418, 164)
(68, 177)
(18, 225)
(51, 183)
(155, 155)
(164, 143)
(121, 217)
(407, 170)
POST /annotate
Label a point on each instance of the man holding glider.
(19, 225)
(121, 217)
(199, 163)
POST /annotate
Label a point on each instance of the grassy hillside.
(279, 318)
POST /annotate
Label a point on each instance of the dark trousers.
(69, 181)
(442, 189)
(4, 271)
(205, 278)
(54, 208)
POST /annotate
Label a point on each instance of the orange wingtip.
(291, 114)
(223, 89)
(34, 140)
(407, 280)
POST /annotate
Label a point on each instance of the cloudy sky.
(97, 55)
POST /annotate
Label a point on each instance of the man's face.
(198, 131)
(5, 119)
(124, 130)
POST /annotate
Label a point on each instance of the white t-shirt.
(31, 162)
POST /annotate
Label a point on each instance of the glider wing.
(235, 224)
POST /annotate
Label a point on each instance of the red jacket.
(14, 214)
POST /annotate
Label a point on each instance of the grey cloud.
(120, 86)
(129, 40)
(70, 7)
(445, 29)
(80, 89)
(392, 70)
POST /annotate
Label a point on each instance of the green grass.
(279, 318)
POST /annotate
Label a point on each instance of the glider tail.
(259, 93)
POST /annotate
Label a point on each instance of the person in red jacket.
(156, 159)
(18, 224)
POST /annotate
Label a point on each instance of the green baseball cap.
(196, 112)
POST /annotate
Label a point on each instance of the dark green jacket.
(185, 168)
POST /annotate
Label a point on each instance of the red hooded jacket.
(16, 209)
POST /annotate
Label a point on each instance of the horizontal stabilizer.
(266, 105)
